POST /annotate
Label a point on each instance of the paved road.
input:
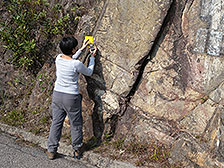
(14, 153)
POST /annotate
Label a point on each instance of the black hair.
(67, 44)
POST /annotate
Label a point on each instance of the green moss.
(14, 118)
(119, 143)
(44, 120)
(35, 130)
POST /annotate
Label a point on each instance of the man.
(66, 97)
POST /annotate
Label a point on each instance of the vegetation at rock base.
(142, 155)
(14, 118)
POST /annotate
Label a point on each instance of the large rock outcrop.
(124, 35)
(160, 70)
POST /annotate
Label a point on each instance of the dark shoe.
(51, 155)
(77, 154)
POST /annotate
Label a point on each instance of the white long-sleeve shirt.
(67, 72)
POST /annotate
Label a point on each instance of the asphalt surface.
(15, 153)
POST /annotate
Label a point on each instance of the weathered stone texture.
(164, 90)
(183, 82)
(178, 79)
(125, 36)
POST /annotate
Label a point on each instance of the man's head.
(67, 44)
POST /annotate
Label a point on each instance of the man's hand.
(93, 53)
(84, 45)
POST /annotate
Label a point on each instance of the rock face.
(159, 75)
(161, 70)
(124, 36)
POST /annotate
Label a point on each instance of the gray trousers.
(66, 104)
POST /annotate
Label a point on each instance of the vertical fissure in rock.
(142, 64)
(93, 85)
(152, 53)
(100, 17)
